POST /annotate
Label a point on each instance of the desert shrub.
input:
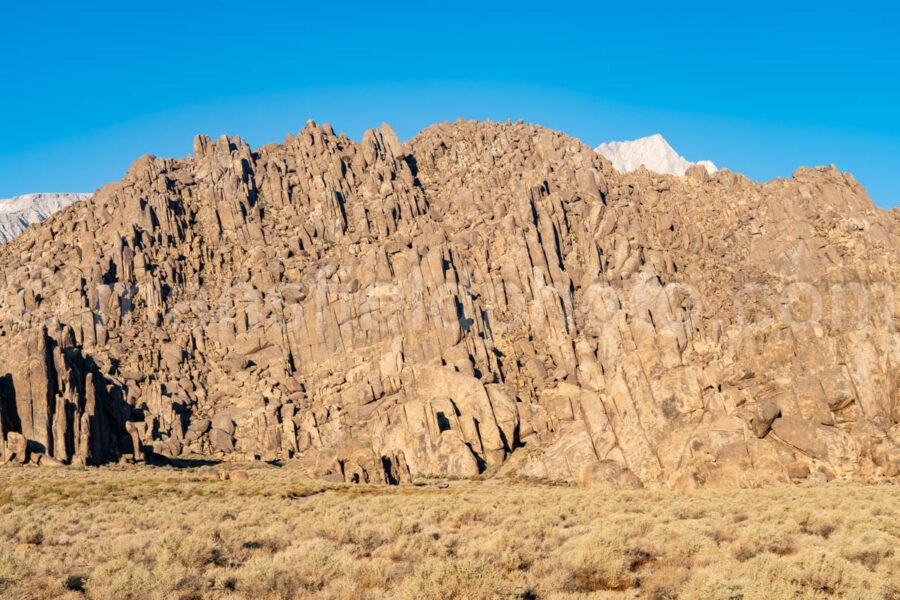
(458, 579)
(706, 585)
(12, 569)
(122, 580)
(160, 533)
(288, 574)
(513, 559)
(418, 545)
(187, 550)
(9, 525)
(869, 548)
(890, 585)
(366, 539)
(822, 571)
(375, 574)
(603, 561)
(665, 582)
(75, 583)
(267, 579)
(822, 524)
(30, 534)
(764, 538)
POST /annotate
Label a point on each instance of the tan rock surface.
(484, 296)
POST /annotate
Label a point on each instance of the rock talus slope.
(485, 297)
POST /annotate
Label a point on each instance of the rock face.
(652, 152)
(49, 401)
(18, 213)
(484, 296)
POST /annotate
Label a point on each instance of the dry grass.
(120, 533)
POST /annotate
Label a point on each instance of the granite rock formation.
(485, 297)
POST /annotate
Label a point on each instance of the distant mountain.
(653, 151)
(21, 211)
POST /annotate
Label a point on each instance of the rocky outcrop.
(53, 404)
(483, 298)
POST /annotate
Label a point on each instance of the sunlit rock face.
(482, 297)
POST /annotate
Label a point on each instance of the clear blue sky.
(759, 87)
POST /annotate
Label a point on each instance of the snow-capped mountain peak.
(653, 151)
(21, 211)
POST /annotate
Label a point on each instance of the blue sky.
(760, 87)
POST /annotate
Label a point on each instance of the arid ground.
(119, 533)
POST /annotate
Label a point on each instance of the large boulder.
(16, 448)
(761, 421)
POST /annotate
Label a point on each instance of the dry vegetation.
(118, 533)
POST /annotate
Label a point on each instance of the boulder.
(238, 476)
(801, 435)
(608, 474)
(761, 421)
(797, 470)
(221, 441)
(16, 448)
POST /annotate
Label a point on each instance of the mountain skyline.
(110, 82)
(653, 149)
(652, 152)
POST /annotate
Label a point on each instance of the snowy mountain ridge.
(653, 151)
(19, 212)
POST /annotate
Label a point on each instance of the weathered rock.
(16, 448)
(802, 435)
(141, 442)
(608, 474)
(48, 397)
(483, 297)
(797, 470)
(221, 441)
(761, 422)
(238, 475)
(48, 461)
